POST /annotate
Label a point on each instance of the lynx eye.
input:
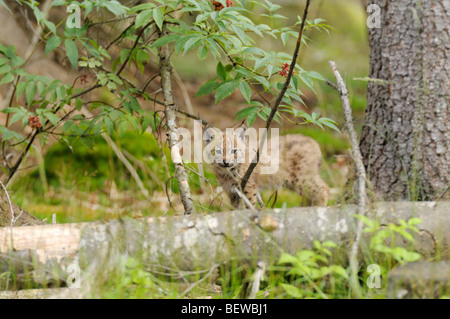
(218, 152)
(234, 151)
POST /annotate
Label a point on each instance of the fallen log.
(199, 241)
(33, 293)
(421, 280)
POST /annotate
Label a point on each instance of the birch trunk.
(172, 129)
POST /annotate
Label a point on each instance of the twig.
(280, 96)
(10, 203)
(258, 276)
(210, 272)
(134, 46)
(360, 173)
(243, 197)
(194, 117)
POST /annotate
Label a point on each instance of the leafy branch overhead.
(222, 29)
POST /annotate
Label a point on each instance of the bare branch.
(361, 175)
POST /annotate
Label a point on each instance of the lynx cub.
(298, 158)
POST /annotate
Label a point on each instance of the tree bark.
(405, 138)
(172, 130)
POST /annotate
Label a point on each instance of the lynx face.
(229, 150)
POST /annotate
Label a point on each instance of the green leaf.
(53, 118)
(247, 112)
(52, 44)
(246, 91)
(202, 52)
(50, 25)
(109, 124)
(16, 61)
(7, 78)
(145, 123)
(414, 221)
(8, 134)
(67, 126)
(250, 119)
(143, 18)
(143, 6)
(123, 126)
(329, 123)
(16, 117)
(72, 52)
(225, 90)
(207, 88)
(158, 16)
(5, 68)
(165, 40)
(30, 92)
(191, 44)
(308, 81)
(221, 72)
(292, 291)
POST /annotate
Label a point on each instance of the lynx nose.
(225, 163)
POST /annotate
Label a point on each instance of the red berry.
(217, 5)
(285, 69)
(34, 122)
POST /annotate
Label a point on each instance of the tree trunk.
(404, 141)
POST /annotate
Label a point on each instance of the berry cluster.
(84, 79)
(285, 70)
(34, 122)
(218, 6)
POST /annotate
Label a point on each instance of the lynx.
(298, 158)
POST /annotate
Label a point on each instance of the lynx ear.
(209, 135)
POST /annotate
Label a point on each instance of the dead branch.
(360, 173)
